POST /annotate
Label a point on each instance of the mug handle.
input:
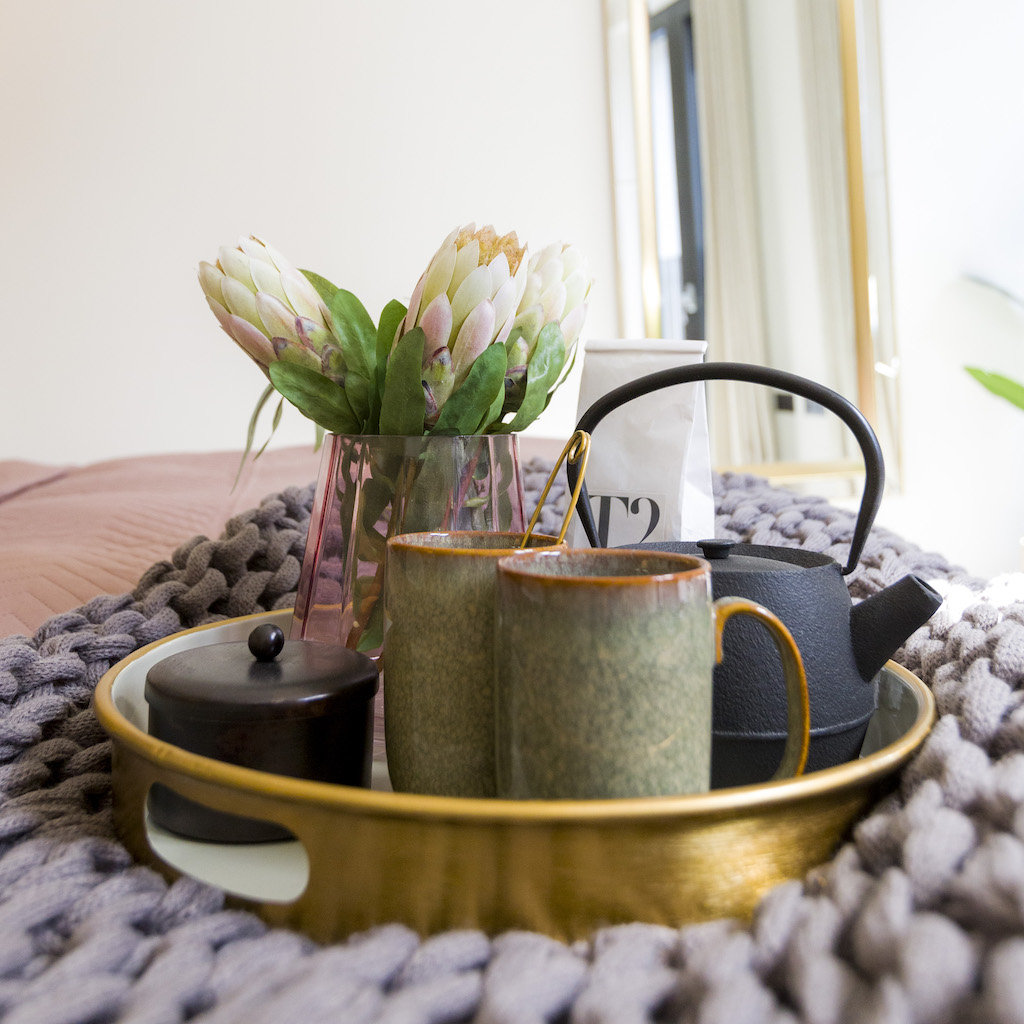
(798, 708)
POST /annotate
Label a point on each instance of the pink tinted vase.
(373, 487)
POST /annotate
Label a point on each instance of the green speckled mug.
(438, 658)
(604, 662)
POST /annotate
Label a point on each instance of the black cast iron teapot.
(843, 645)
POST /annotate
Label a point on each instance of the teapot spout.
(880, 624)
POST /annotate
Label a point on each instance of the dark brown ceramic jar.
(297, 708)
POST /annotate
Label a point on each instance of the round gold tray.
(368, 856)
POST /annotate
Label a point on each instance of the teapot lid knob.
(715, 548)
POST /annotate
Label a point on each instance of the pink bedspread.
(69, 533)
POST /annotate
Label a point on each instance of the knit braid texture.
(918, 918)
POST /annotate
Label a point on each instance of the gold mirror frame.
(627, 33)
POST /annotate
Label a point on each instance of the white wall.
(140, 137)
(953, 81)
(353, 135)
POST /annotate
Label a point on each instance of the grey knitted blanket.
(918, 918)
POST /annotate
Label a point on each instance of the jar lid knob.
(266, 641)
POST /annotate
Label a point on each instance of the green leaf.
(513, 396)
(377, 495)
(275, 423)
(999, 385)
(567, 369)
(390, 318)
(404, 404)
(358, 391)
(262, 401)
(356, 331)
(514, 390)
(563, 377)
(323, 287)
(467, 409)
(251, 433)
(358, 337)
(315, 396)
(541, 373)
(492, 418)
(370, 546)
(373, 636)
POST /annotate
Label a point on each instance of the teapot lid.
(728, 556)
(265, 677)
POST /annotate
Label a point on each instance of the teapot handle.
(751, 374)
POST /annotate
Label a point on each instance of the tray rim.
(719, 802)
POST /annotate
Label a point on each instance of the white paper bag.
(649, 474)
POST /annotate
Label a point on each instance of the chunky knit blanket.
(919, 917)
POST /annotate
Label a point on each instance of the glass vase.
(373, 487)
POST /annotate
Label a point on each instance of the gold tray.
(367, 856)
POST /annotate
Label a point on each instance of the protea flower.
(270, 308)
(465, 301)
(557, 287)
(483, 344)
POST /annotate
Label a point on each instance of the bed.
(73, 532)
(919, 916)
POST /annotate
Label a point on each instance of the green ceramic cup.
(438, 661)
(604, 662)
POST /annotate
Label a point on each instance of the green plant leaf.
(373, 636)
(566, 370)
(541, 373)
(1004, 387)
(315, 396)
(251, 433)
(377, 495)
(323, 287)
(356, 331)
(358, 339)
(370, 545)
(359, 392)
(492, 419)
(274, 424)
(387, 327)
(513, 395)
(404, 404)
(563, 377)
(466, 411)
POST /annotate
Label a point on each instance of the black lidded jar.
(298, 708)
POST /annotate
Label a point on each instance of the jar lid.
(266, 677)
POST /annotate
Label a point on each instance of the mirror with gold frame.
(751, 212)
